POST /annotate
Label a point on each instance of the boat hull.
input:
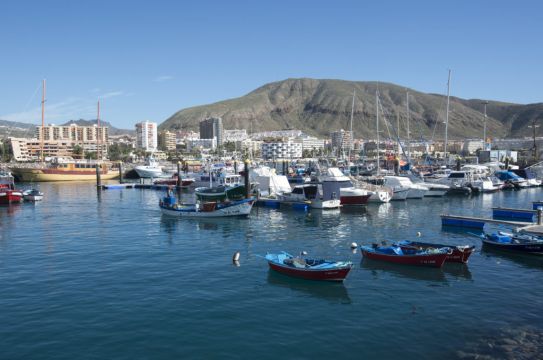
(429, 260)
(380, 196)
(312, 274)
(237, 208)
(460, 254)
(355, 200)
(44, 175)
(10, 197)
(522, 248)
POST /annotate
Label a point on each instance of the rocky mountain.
(15, 129)
(320, 106)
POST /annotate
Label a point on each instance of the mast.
(42, 120)
(377, 117)
(98, 140)
(408, 133)
(447, 117)
(351, 130)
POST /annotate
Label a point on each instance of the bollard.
(121, 180)
(540, 215)
(98, 176)
(235, 166)
(179, 175)
(246, 175)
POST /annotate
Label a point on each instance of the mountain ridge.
(318, 106)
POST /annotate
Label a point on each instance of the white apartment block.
(73, 132)
(312, 143)
(146, 136)
(281, 149)
(30, 149)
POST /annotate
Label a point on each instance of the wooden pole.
(98, 176)
(179, 176)
(121, 180)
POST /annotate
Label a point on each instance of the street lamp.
(485, 103)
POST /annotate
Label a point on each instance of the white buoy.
(354, 245)
(235, 258)
(303, 253)
(419, 234)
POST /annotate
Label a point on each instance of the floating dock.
(475, 222)
(517, 214)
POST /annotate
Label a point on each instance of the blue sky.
(146, 60)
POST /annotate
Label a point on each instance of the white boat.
(311, 194)
(151, 169)
(340, 184)
(484, 184)
(32, 195)
(416, 191)
(400, 187)
(434, 190)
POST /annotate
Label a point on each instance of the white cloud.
(163, 78)
(111, 94)
(56, 113)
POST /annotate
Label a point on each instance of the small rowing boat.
(397, 255)
(310, 269)
(460, 253)
(525, 244)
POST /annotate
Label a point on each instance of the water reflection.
(403, 271)
(525, 260)
(323, 218)
(325, 290)
(457, 270)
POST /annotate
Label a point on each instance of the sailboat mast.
(98, 140)
(408, 133)
(447, 116)
(351, 130)
(42, 120)
(377, 122)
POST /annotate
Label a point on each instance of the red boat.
(460, 254)
(8, 194)
(309, 269)
(395, 254)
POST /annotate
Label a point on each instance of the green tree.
(77, 151)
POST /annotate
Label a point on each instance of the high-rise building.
(212, 128)
(341, 140)
(166, 140)
(146, 136)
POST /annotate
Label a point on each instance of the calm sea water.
(108, 277)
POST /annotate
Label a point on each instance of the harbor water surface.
(104, 275)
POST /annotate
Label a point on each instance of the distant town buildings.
(235, 135)
(277, 134)
(212, 128)
(472, 145)
(146, 136)
(200, 144)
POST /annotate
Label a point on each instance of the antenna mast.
(42, 120)
(447, 117)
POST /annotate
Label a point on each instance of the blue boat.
(509, 177)
(526, 244)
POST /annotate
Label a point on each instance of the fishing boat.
(64, 169)
(395, 254)
(32, 195)
(310, 269)
(460, 253)
(8, 193)
(525, 244)
(206, 208)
